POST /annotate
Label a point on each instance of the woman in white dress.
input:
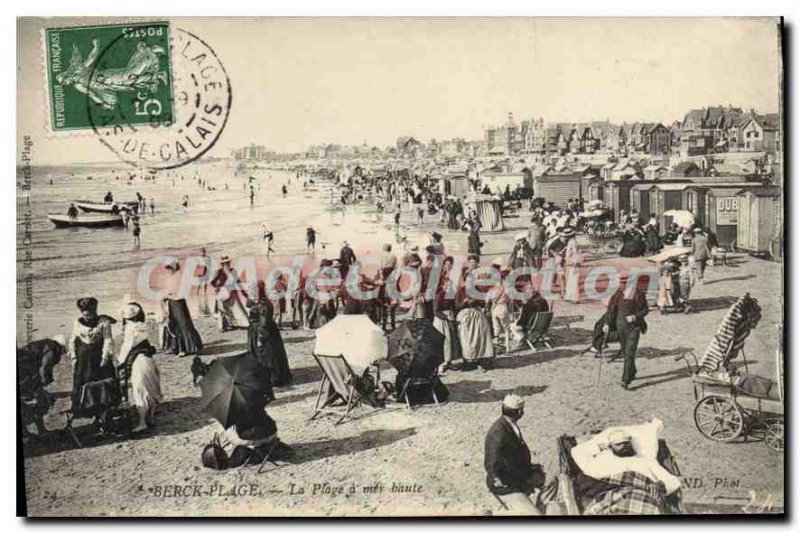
(573, 261)
(136, 354)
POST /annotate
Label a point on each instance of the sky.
(298, 82)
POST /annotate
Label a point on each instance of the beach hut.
(455, 185)
(640, 199)
(558, 187)
(721, 211)
(694, 201)
(666, 197)
(489, 211)
(618, 197)
(592, 187)
(759, 218)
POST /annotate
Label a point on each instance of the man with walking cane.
(626, 312)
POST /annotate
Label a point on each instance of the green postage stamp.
(116, 70)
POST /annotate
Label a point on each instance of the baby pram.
(739, 405)
(730, 404)
(578, 492)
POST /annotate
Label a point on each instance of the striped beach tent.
(488, 209)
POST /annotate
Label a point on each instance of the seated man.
(615, 451)
(510, 475)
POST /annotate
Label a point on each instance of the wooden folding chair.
(337, 375)
(537, 330)
(501, 502)
(225, 442)
(120, 407)
(420, 382)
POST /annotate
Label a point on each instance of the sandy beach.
(428, 461)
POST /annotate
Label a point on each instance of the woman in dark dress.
(180, 336)
(264, 342)
(652, 239)
(633, 244)
(91, 348)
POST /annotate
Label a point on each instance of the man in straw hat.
(510, 475)
(230, 304)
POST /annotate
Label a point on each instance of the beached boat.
(102, 207)
(90, 220)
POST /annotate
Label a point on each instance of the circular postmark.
(158, 107)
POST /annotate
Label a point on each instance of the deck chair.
(419, 382)
(338, 384)
(499, 501)
(570, 475)
(268, 452)
(537, 330)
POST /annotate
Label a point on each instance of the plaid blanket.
(634, 494)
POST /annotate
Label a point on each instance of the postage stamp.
(198, 111)
(121, 68)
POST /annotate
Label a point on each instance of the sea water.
(70, 263)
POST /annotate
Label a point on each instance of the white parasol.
(683, 219)
(355, 337)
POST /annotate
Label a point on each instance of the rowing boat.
(102, 207)
(87, 220)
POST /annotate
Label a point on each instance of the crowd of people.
(475, 330)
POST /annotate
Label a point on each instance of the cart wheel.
(773, 437)
(718, 418)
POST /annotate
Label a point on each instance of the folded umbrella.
(235, 390)
(355, 337)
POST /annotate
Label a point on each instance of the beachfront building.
(759, 133)
(617, 139)
(686, 169)
(451, 148)
(408, 146)
(253, 152)
(506, 139)
(708, 130)
(647, 138)
(655, 172)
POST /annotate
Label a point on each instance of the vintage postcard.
(429, 267)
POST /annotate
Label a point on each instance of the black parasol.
(416, 348)
(235, 390)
